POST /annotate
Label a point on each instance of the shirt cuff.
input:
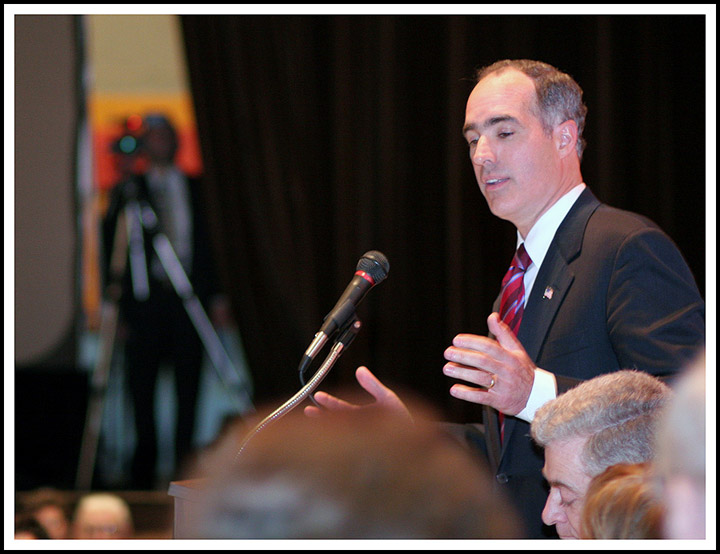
(544, 388)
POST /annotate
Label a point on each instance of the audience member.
(620, 503)
(607, 420)
(50, 511)
(681, 456)
(102, 516)
(27, 527)
(351, 475)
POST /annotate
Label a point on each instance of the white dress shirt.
(537, 243)
(171, 185)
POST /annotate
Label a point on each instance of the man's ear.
(566, 137)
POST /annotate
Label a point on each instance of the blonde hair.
(621, 503)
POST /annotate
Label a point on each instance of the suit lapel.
(554, 278)
(552, 283)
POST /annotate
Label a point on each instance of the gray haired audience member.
(680, 461)
(607, 420)
(363, 474)
(102, 515)
(48, 507)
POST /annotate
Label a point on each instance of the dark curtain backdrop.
(324, 137)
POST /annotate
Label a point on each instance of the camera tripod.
(137, 216)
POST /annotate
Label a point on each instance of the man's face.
(53, 519)
(101, 524)
(568, 481)
(516, 163)
(160, 145)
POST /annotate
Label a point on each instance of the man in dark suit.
(153, 317)
(602, 290)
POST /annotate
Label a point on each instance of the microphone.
(371, 269)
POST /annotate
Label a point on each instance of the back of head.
(102, 516)
(27, 527)
(48, 507)
(621, 503)
(617, 412)
(358, 474)
(680, 462)
(559, 97)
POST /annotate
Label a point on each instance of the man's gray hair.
(559, 97)
(618, 413)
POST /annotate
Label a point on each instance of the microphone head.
(375, 264)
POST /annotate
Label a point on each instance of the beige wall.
(135, 53)
(44, 217)
(126, 54)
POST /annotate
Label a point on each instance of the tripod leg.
(101, 371)
(213, 345)
(96, 402)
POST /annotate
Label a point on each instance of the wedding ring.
(492, 382)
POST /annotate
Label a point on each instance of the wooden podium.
(186, 496)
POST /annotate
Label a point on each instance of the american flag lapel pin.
(548, 293)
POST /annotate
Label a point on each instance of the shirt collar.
(542, 233)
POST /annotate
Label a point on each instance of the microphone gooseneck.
(372, 268)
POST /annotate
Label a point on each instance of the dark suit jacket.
(613, 292)
(202, 276)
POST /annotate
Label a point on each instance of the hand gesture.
(384, 397)
(500, 366)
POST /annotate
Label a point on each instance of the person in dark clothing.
(156, 327)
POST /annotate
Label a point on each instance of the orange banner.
(111, 115)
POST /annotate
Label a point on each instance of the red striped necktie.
(512, 302)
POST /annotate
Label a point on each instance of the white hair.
(108, 502)
(617, 412)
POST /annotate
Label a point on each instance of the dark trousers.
(160, 331)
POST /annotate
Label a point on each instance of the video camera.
(130, 141)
